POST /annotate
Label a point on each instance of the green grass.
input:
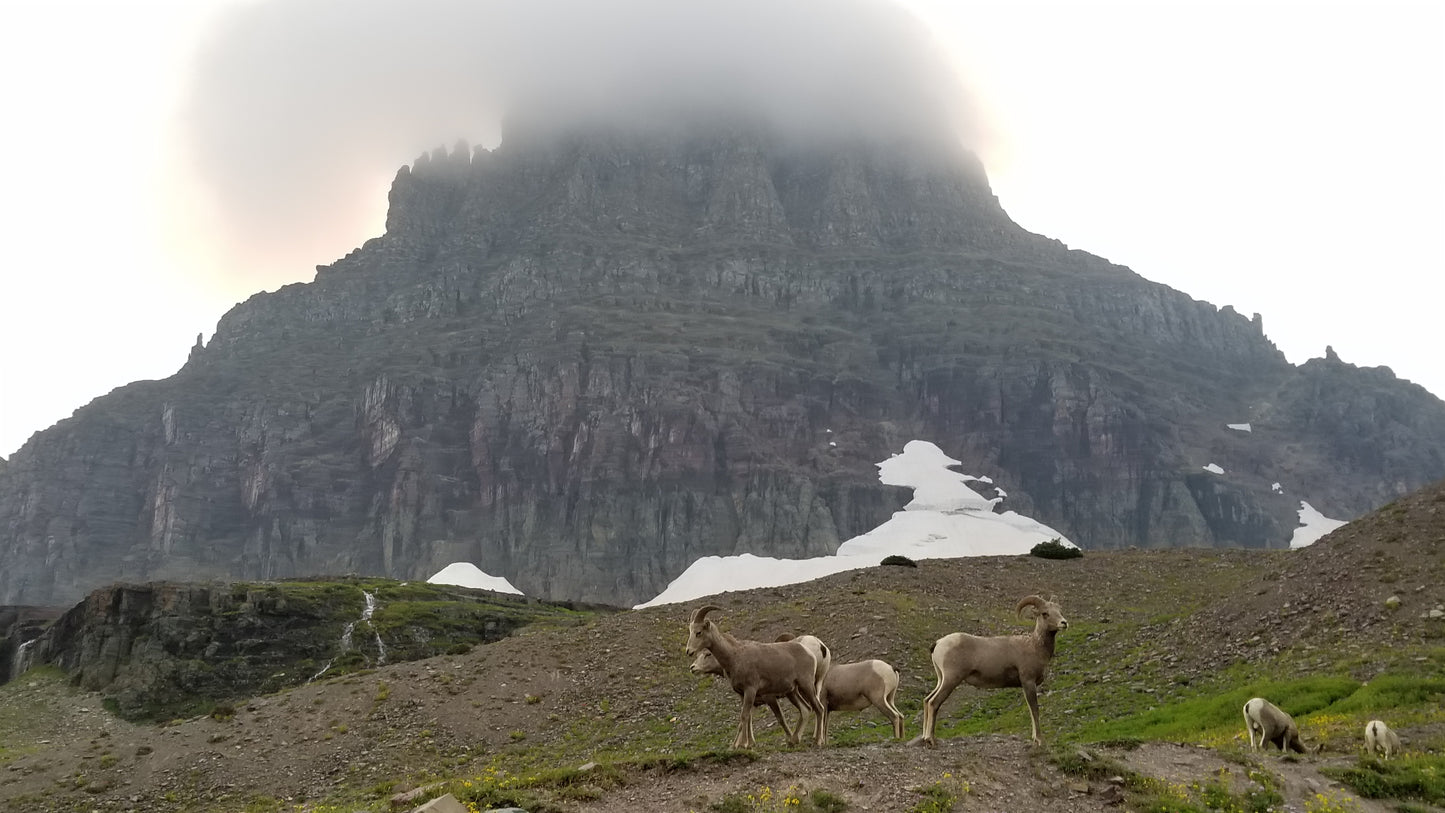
(1204, 719)
(1419, 777)
(23, 721)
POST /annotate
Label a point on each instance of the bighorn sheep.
(848, 687)
(758, 671)
(995, 662)
(821, 656)
(1272, 725)
(706, 664)
(856, 686)
(1379, 738)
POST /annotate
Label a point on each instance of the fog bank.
(301, 110)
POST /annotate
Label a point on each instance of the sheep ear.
(701, 613)
(1030, 601)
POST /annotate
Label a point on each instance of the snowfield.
(946, 519)
(466, 574)
(1313, 525)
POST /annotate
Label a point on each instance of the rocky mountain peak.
(588, 357)
(734, 186)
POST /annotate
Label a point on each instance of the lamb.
(758, 671)
(995, 662)
(1273, 726)
(856, 686)
(1380, 738)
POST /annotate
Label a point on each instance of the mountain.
(589, 357)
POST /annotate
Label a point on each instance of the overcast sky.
(164, 160)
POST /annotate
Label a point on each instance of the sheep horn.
(701, 612)
(1030, 601)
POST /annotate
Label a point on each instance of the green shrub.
(1055, 549)
(901, 561)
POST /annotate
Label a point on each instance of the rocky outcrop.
(165, 649)
(19, 627)
(584, 360)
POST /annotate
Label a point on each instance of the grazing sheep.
(856, 686)
(1380, 738)
(1272, 725)
(758, 671)
(996, 662)
(706, 664)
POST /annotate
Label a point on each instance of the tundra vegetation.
(626, 710)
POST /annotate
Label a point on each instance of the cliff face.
(582, 361)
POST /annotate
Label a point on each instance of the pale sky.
(1280, 157)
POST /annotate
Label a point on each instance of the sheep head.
(697, 629)
(705, 664)
(1048, 617)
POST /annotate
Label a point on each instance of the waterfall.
(366, 617)
(350, 627)
(22, 660)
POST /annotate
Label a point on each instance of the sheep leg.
(778, 713)
(797, 704)
(1031, 694)
(931, 706)
(820, 712)
(826, 712)
(745, 725)
(891, 710)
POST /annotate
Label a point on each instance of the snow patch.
(1276, 488)
(946, 519)
(466, 574)
(1313, 525)
(1240, 427)
(1214, 468)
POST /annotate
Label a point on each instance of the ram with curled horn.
(996, 662)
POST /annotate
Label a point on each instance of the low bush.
(1055, 549)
